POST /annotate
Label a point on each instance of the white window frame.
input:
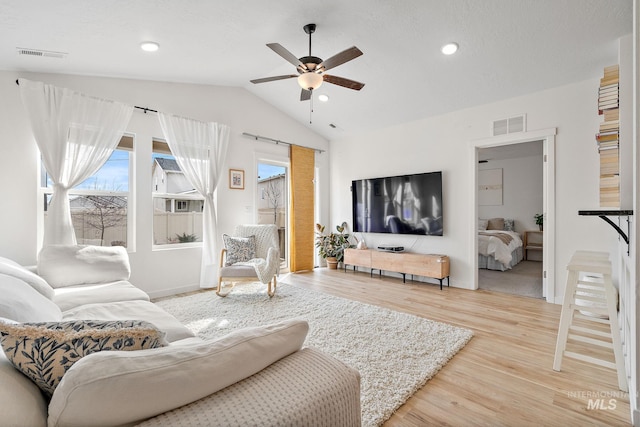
(128, 144)
(160, 146)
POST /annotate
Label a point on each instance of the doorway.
(510, 197)
(547, 136)
(272, 201)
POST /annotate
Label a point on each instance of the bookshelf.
(608, 137)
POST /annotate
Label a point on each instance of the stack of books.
(608, 138)
(608, 91)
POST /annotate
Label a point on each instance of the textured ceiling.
(507, 48)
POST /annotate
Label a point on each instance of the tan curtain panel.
(302, 205)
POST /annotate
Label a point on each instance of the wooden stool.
(590, 299)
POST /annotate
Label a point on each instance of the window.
(100, 210)
(177, 206)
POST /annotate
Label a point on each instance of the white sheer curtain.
(200, 150)
(76, 135)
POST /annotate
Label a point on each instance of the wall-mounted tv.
(406, 204)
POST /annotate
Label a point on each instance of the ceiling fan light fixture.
(149, 46)
(310, 80)
(449, 48)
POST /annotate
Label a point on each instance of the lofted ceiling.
(507, 48)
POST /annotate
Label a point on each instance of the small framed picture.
(236, 179)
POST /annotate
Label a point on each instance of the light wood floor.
(504, 375)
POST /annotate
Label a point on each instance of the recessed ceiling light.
(323, 98)
(449, 48)
(149, 46)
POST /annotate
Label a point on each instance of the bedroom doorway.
(510, 195)
(489, 194)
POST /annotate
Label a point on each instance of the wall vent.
(40, 52)
(510, 125)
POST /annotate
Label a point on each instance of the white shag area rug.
(395, 353)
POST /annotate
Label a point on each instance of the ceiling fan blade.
(305, 95)
(271, 79)
(290, 57)
(340, 58)
(341, 81)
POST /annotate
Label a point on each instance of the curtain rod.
(277, 141)
(145, 109)
(256, 137)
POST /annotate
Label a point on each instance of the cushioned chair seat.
(238, 271)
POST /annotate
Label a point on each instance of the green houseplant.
(539, 220)
(186, 238)
(331, 246)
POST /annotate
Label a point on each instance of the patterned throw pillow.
(45, 351)
(509, 225)
(239, 249)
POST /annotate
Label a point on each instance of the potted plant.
(331, 246)
(539, 220)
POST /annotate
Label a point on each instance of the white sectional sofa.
(253, 377)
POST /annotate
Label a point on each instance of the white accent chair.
(263, 267)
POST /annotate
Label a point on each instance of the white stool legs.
(590, 301)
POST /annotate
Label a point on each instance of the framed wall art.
(490, 187)
(236, 179)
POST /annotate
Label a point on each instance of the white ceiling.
(507, 48)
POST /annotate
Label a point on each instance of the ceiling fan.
(311, 69)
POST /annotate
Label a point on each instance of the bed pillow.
(68, 265)
(509, 225)
(105, 389)
(482, 224)
(22, 303)
(495, 224)
(239, 249)
(45, 351)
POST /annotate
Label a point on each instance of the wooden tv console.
(427, 265)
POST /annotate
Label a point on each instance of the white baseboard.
(173, 291)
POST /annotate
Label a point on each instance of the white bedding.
(493, 246)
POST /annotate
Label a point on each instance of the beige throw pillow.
(45, 351)
(496, 224)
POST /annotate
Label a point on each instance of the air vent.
(510, 125)
(39, 52)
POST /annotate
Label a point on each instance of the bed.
(498, 249)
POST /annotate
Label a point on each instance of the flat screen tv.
(406, 204)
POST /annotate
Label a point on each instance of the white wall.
(521, 190)
(444, 143)
(163, 271)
